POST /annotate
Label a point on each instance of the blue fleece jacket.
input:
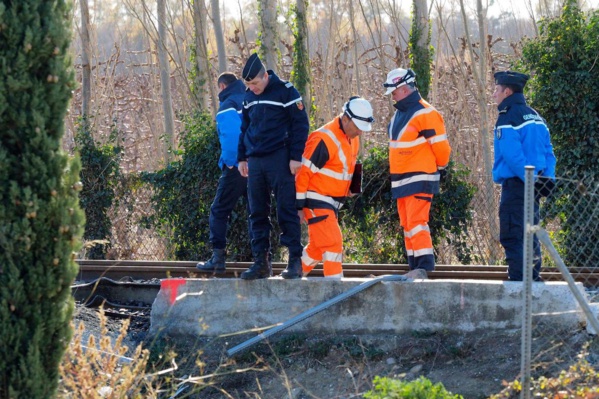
(228, 122)
(521, 138)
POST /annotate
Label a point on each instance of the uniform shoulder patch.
(300, 105)
(498, 133)
(288, 85)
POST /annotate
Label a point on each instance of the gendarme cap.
(511, 78)
(252, 67)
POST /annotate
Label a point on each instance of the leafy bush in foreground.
(581, 380)
(422, 388)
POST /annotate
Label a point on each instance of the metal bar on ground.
(311, 312)
(544, 238)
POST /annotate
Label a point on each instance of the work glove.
(442, 175)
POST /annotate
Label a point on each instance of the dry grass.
(101, 369)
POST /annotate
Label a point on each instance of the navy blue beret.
(252, 67)
(511, 78)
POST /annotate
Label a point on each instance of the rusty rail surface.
(147, 270)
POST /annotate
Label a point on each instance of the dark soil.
(474, 365)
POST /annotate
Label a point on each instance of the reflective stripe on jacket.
(521, 138)
(228, 122)
(327, 168)
(418, 147)
(273, 120)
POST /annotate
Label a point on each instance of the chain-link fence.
(134, 237)
(570, 216)
(568, 231)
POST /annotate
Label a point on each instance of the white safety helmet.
(360, 112)
(397, 78)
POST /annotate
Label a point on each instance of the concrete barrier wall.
(213, 307)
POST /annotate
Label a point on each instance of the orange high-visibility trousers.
(413, 216)
(325, 242)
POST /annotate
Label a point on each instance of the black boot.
(293, 269)
(262, 268)
(216, 264)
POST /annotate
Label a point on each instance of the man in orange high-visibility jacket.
(418, 155)
(323, 182)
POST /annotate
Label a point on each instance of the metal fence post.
(527, 265)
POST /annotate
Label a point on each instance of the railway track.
(147, 270)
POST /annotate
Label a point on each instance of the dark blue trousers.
(231, 186)
(270, 175)
(511, 229)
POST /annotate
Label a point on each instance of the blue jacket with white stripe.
(228, 122)
(273, 120)
(521, 138)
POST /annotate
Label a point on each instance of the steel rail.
(146, 270)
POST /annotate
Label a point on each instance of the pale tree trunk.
(420, 41)
(355, 38)
(531, 14)
(203, 84)
(301, 62)
(220, 38)
(480, 77)
(85, 63)
(421, 14)
(165, 82)
(268, 31)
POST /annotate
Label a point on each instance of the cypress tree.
(40, 220)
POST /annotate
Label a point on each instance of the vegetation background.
(147, 100)
(142, 117)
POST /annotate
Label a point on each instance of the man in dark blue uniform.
(274, 130)
(521, 138)
(231, 184)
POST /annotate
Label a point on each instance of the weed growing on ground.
(419, 388)
(581, 380)
(100, 369)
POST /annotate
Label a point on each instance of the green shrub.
(565, 90)
(580, 380)
(422, 388)
(99, 175)
(370, 222)
(184, 191)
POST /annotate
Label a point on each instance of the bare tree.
(165, 82)
(377, 34)
(268, 33)
(85, 62)
(301, 58)
(420, 41)
(480, 77)
(218, 34)
(203, 65)
(355, 38)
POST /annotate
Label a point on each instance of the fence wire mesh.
(568, 230)
(570, 215)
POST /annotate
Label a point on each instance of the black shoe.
(262, 268)
(215, 265)
(293, 269)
